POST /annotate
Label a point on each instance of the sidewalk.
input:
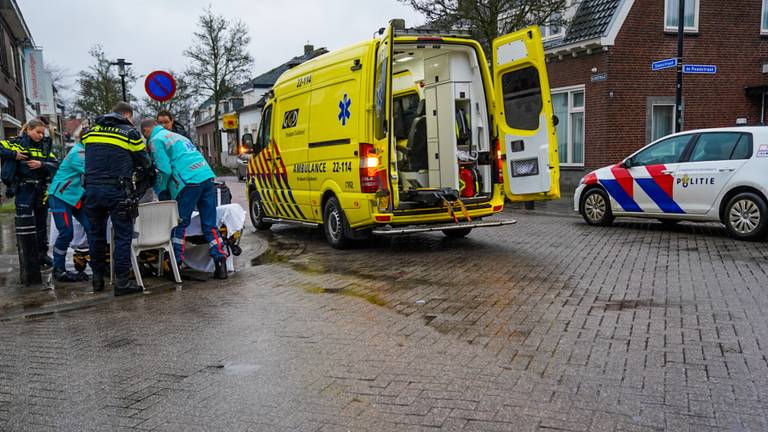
(562, 207)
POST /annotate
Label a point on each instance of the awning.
(9, 120)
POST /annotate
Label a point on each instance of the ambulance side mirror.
(247, 141)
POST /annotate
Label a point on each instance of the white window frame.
(674, 118)
(572, 110)
(694, 29)
(763, 30)
(546, 35)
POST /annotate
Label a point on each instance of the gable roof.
(268, 79)
(594, 20)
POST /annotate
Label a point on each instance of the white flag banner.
(47, 107)
(39, 89)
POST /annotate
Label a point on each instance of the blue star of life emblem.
(344, 113)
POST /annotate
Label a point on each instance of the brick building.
(611, 103)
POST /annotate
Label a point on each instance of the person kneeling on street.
(65, 196)
(184, 172)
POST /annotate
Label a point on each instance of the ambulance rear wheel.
(457, 233)
(595, 208)
(335, 226)
(257, 214)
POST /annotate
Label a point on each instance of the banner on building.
(48, 107)
(39, 88)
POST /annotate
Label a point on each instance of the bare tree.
(486, 20)
(219, 61)
(181, 105)
(62, 82)
(100, 88)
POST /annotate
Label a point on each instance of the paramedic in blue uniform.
(65, 201)
(27, 166)
(114, 153)
(183, 171)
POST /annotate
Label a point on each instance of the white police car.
(702, 175)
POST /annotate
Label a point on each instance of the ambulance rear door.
(524, 118)
(382, 124)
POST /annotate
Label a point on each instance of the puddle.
(369, 297)
(630, 304)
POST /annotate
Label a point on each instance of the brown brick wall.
(728, 36)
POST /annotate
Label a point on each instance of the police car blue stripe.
(617, 192)
(657, 194)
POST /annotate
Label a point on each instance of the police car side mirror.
(626, 164)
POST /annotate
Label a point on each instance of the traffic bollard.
(26, 242)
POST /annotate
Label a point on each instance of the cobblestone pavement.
(547, 324)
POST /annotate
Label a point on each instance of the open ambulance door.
(524, 118)
(383, 124)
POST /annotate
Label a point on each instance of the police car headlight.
(523, 168)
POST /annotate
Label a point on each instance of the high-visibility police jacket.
(112, 148)
(67, 184)
(177, 161)
(14, 170)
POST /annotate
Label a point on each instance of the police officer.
(27, 166)
(114, 152)
(65, 202)
(183, 171)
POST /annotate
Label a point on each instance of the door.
(712, 161)
(524, 118)
(261, 164)
(382, 123)
(288, 151)
(647, 178)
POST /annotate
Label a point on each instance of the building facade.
(610, 102)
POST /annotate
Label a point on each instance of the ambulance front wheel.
(595, 208)
(335, 225)
(257, 214)
(457, 233)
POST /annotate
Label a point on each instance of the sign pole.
(679, 88)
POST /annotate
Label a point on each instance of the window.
(663, 152)
(265, 133)
(568, 106)
(522, 98)
(555, 27)
(671, 11)
(720, 146)
(382, 76)
(764, 20)
(662, 121)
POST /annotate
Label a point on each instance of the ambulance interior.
(440, 121)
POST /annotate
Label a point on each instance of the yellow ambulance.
(407, 132)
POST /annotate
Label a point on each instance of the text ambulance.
(404, 133)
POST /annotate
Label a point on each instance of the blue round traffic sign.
(160, 86)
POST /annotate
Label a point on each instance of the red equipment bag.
(469, 182)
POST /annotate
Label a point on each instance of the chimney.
(308, 49)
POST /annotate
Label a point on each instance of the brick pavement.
(547, 324)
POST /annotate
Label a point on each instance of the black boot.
(61, 275)
(46, 261)
(221, 268)
(97, 282)
(125, 286)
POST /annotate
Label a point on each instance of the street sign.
(663, 64)
(160, 86)
(599, 77)
(700, 69)
(229, 121)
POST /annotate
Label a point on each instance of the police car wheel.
(335, 225)
(595, 208)
(257, 215)
(746, 216)
(457, 233)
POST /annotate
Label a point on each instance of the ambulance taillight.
(369, 163)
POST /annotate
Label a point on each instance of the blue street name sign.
(700, 69)
(663, 64)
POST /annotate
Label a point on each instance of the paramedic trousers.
(202, 195)
(30, 197)
(63, 216)
(103, 202)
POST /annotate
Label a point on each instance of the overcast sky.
(153, 34)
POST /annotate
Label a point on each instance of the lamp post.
(679, 86)
(121, 64)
